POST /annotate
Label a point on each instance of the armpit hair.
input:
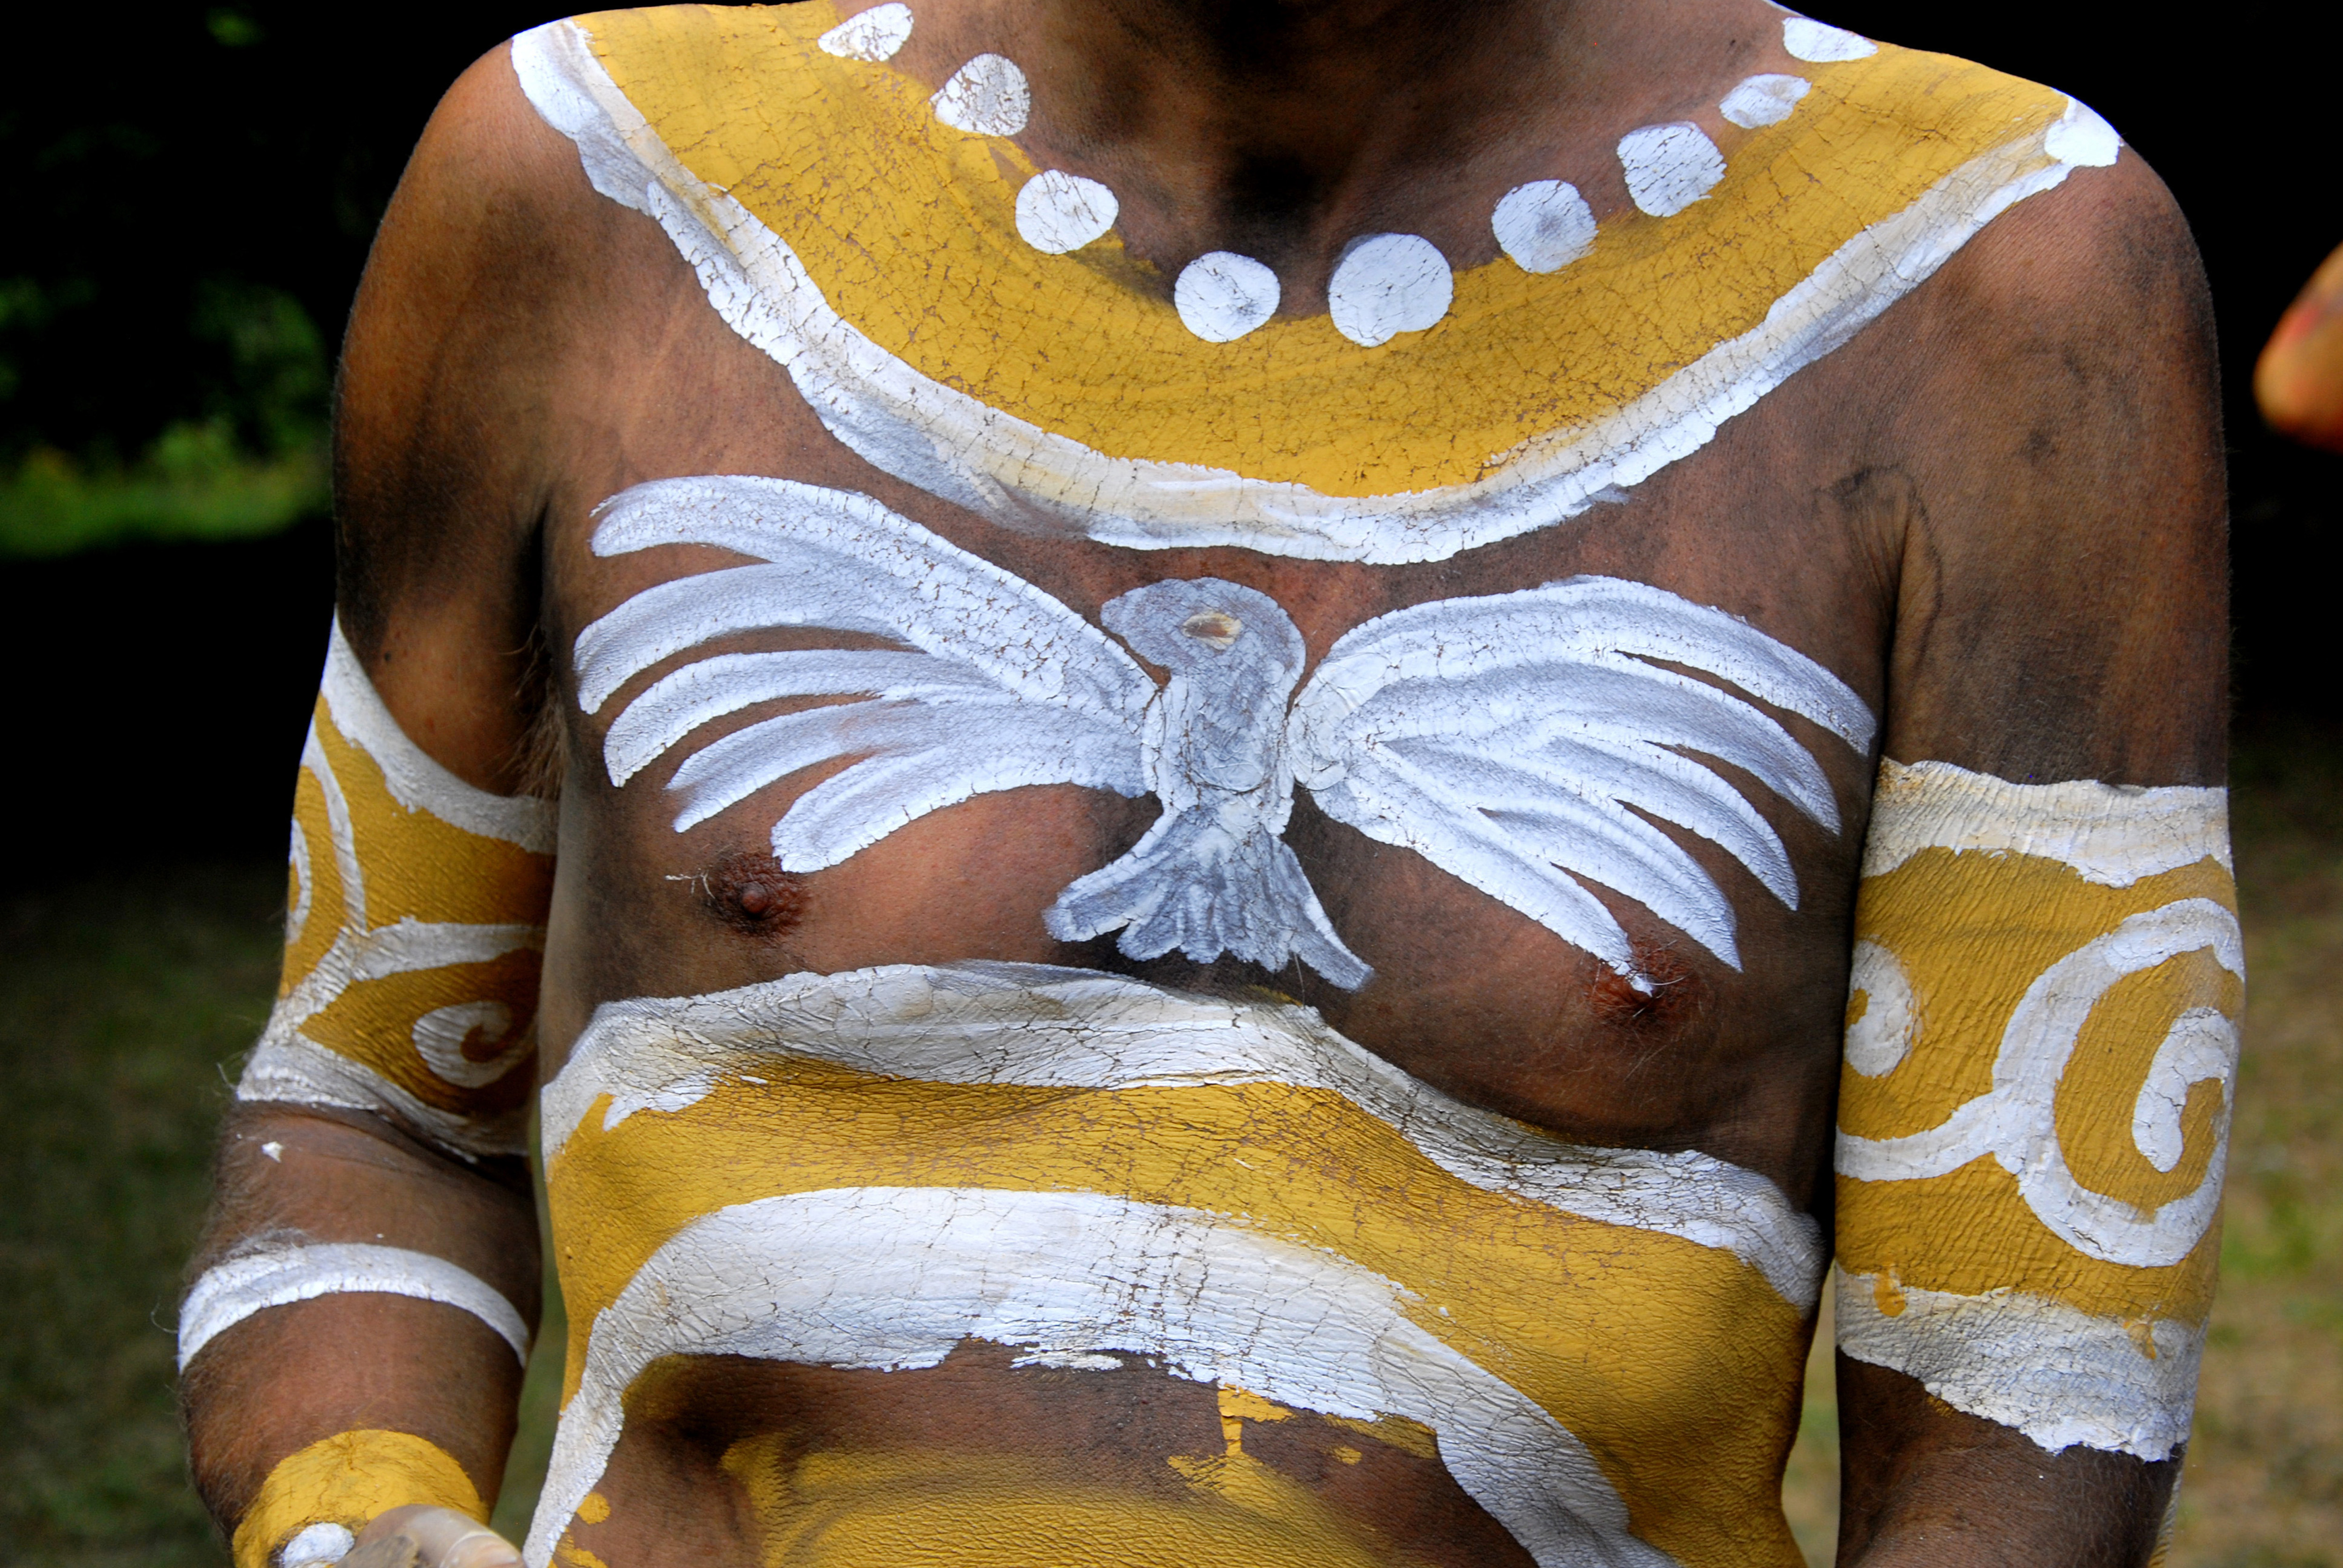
(545, 744)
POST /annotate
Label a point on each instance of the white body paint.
(296, 914)
(1058, 212)
(1878, 1042)
(1222, 295)
(1036, 1026)
(1212, 874)
(230, 1292)
(2201, 1047)
(1504, 738)
(1764, 100)
(897, 1277)
(1543, 226)
(986, 97)
(415, 780)
(873, 36)
(2111, 835)
(2017, 1120)
(2059, 1375)
(440, 1034)
(1018, 475)
(286, 1065)
(293, 1070)
(2082, 137)
(2054, 1371)
(1819, 43)
(1669, 167)
(1388, 283)
(323, 1542)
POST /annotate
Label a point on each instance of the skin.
(2298, 380)
(1997, 514)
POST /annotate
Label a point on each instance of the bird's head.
(1203, 625)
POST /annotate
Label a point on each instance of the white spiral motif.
(2017, 1120)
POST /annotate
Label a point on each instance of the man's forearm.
(359, 1289)
(354, 1341)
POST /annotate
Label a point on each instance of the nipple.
(1658, 990)
(749, 892)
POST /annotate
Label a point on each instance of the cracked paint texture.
(842, 228)
(414, 933)
(2033, 1118)
(865, 1169)
(1504, 737)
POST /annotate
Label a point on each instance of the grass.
(121, 997)
(118, 1001)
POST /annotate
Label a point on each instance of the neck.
(1279, 128)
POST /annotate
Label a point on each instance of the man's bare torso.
(1808, 543)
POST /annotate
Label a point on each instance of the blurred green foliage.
(252, 460)
(192, 189)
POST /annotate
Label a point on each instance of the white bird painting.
(1523, 742)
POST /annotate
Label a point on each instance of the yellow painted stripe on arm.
(417, 909)
(347, 1480)
(2041, 1046)
(1974, 932)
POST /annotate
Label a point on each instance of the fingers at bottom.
(418, 1536)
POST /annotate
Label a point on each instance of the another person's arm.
(2033, 1114)
(2298, 380)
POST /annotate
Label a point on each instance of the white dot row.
(1384, 284)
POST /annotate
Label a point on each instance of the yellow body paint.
(865, 1510)
(2034, 1115)
(345, 1480)
(1673, 1361)
(412, 949)
(1309, 1246)
(907, 226)
(845, 223)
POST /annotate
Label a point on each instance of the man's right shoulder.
(488, 156)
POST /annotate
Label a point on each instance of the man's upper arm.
(2063, 606)
(453, 377)
(2047, 972)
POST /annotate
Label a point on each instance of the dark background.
(189, 193)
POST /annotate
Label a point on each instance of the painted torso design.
(1050, 1148)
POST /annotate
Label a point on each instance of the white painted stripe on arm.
(1040, 1026)
(890, 1279)
(2113, 835)
(231, 1291)
(290, 1069)
(416, 780)
(2059, 1375)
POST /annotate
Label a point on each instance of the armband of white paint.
(313, 1505)
(414, 931)
(2034, 1114)
(230, 1292)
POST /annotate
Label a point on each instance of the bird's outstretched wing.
(1512, 741)
(1000, 685)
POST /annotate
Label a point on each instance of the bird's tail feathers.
(1192, 884)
